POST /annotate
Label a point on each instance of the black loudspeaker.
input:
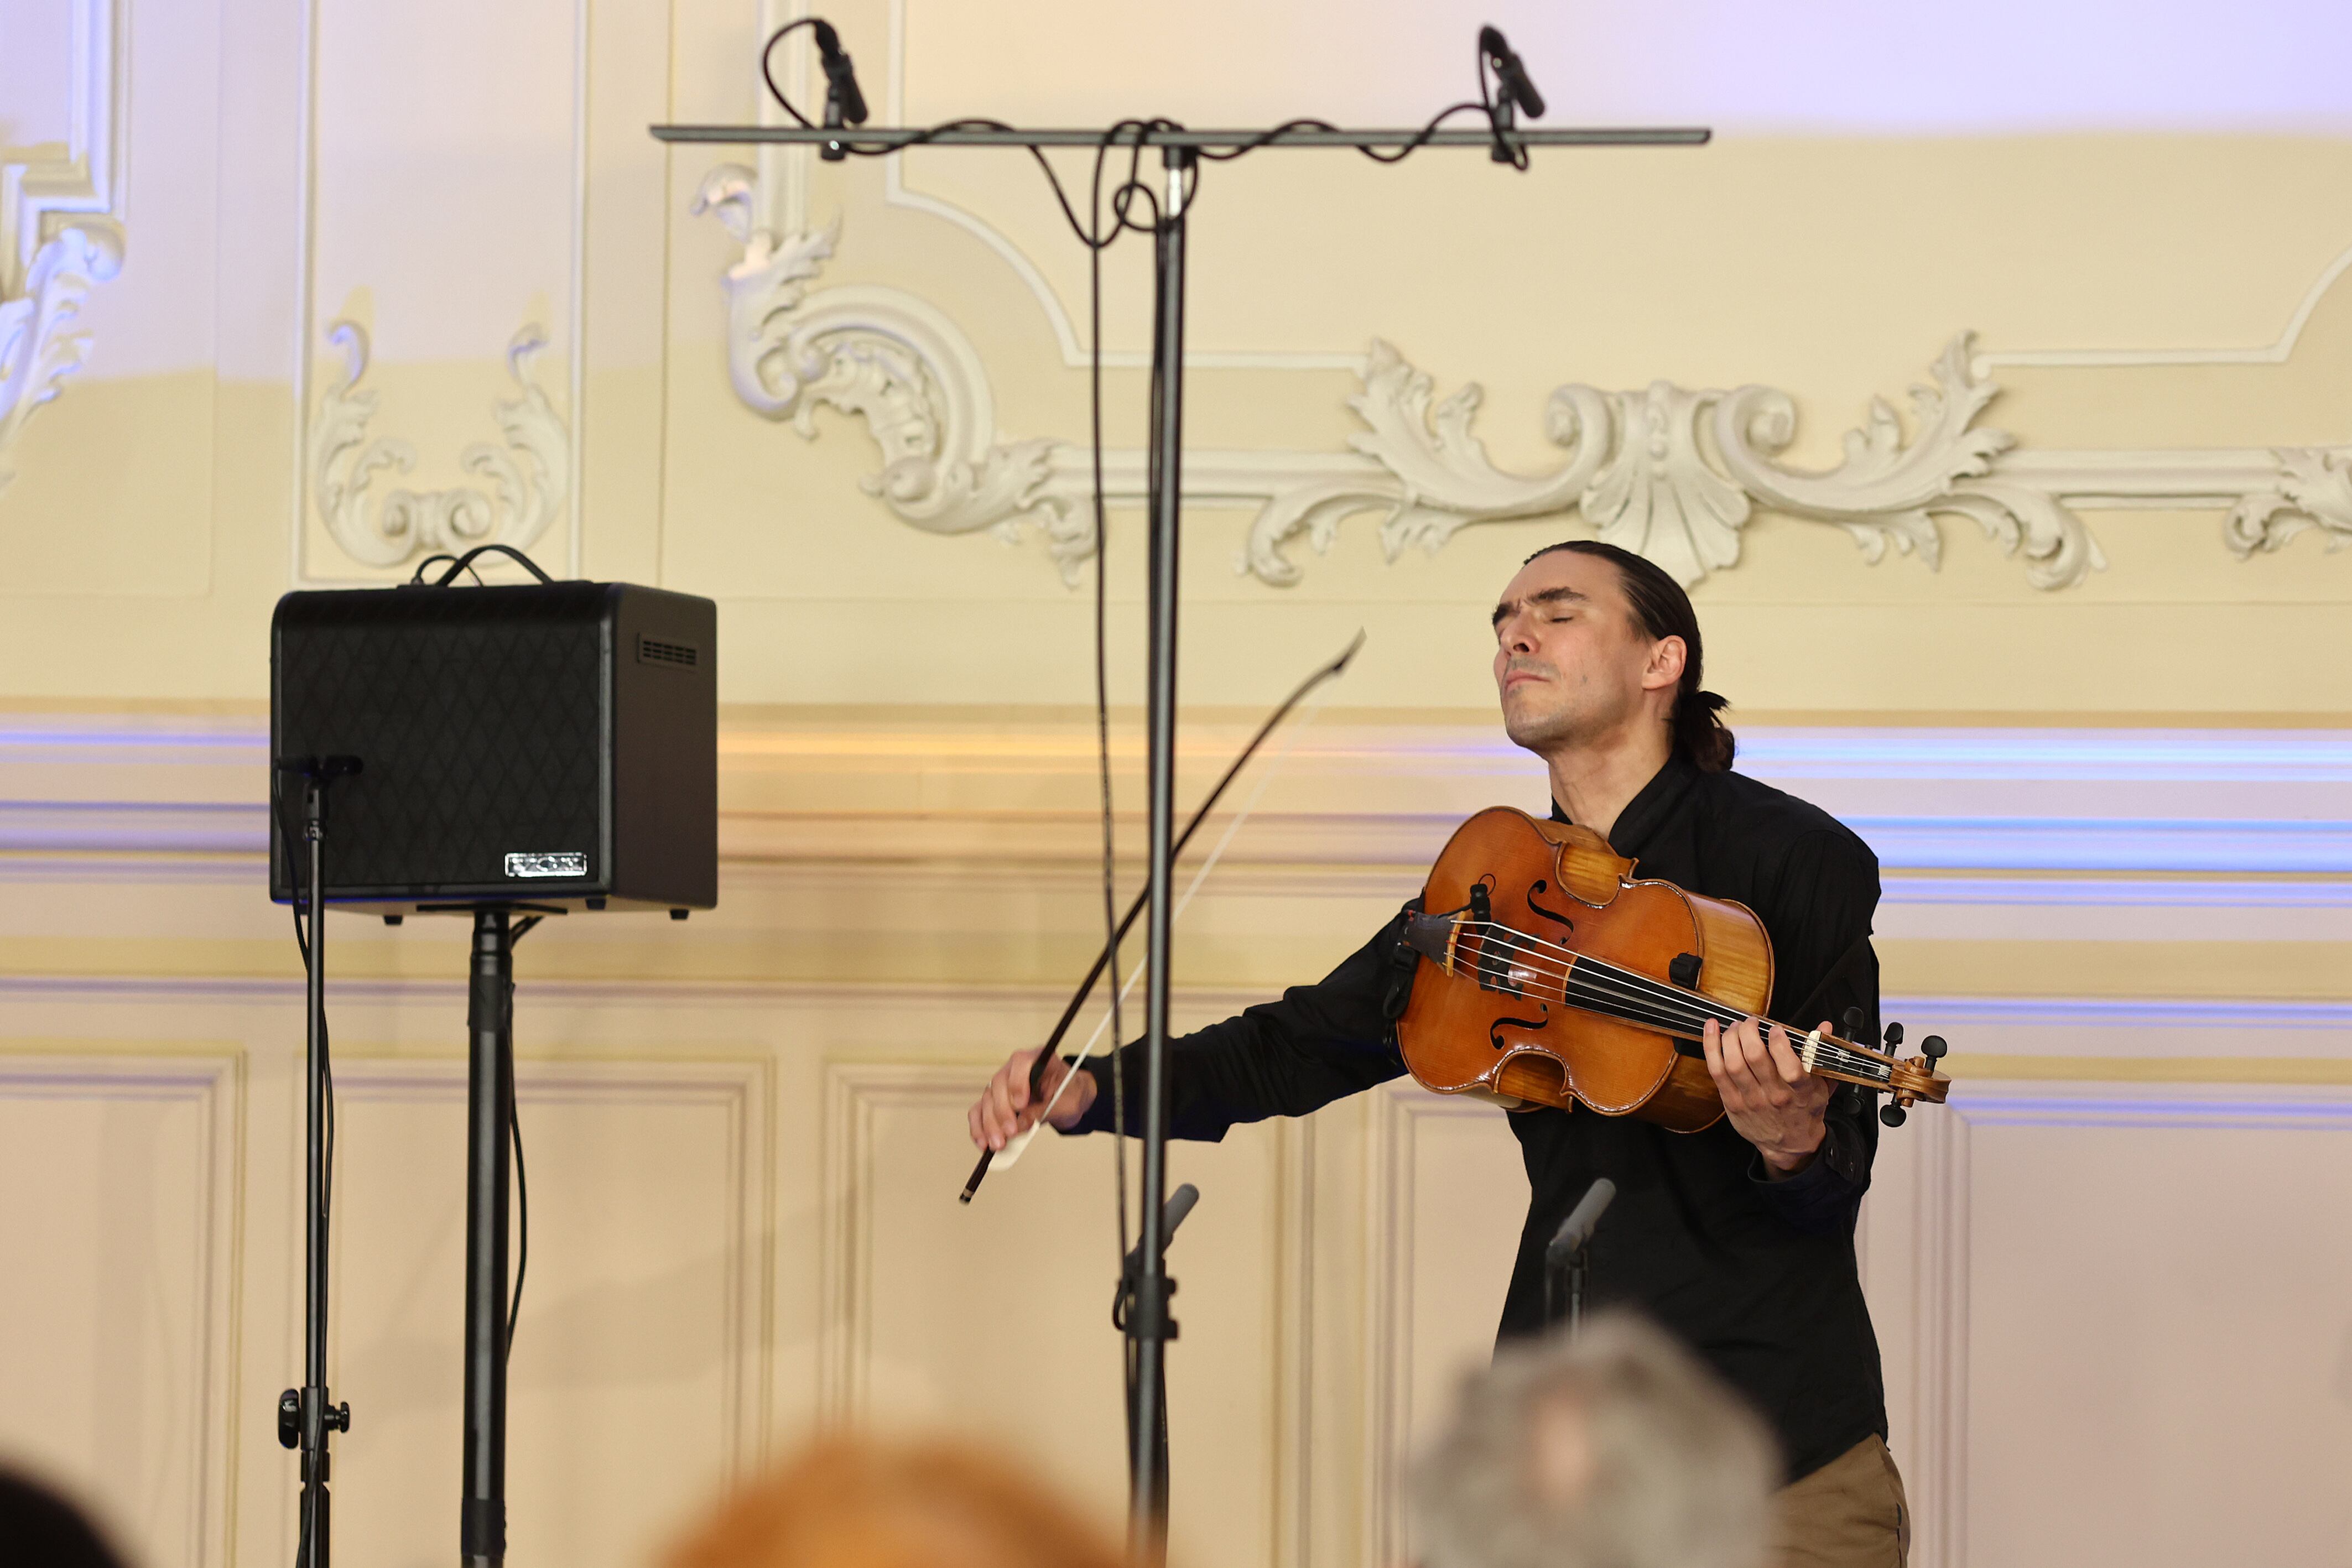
(551, 745)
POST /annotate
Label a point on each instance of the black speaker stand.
(489, 1111)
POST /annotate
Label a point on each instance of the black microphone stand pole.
(489, 1110)
(1148, 1321)
(1149, 1325)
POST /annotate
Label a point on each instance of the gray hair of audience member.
(1618, 1449)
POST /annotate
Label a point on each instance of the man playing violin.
(1738, 1238)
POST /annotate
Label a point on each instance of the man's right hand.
(1004, 1107)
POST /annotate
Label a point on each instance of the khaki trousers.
(1850, 1513)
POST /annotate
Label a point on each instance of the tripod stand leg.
(490, 1108)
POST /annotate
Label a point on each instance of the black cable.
(1124, 199)
(295, 906)
(770, 49)
(522, 1189)
(514, 1126)
(1102, 703)
(465, 563)
(416, 579)
(1419, 139)
(1487, 103)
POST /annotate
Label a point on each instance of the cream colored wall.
(2111, 814)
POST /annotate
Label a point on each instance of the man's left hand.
(1772, 1101)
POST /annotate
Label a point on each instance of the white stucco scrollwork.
(2313, 491)
(893, 360)
(1673, 475)
(61, 226)
(39, 345)
(527, 476)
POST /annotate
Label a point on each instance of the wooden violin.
(1547, 974)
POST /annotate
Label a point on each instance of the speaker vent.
(653, 651)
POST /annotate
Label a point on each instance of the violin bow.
(1102, 959)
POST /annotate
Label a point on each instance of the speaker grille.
(479, 738)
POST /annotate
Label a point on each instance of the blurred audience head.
(1616, 1451)
(38, 1527)
(868, 1503)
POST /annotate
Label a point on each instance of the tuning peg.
(1933, 1047)
(1893, 1115)
(1894, 1035)
(1856, 1020)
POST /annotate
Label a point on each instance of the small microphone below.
(1581, 1222)
(1171, 1215)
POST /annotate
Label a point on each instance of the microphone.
(841, 79)
(1507, 69)
(1171, 1215)
(1578, 1228)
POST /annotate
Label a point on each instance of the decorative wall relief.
(1673, 475)
(39, 346)
(528, 474)
(893, 360)
(61, 229)
(1671, 472)
(2313, 490)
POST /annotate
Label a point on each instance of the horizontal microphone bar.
(886, 139)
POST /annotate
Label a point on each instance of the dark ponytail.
(1664, 609)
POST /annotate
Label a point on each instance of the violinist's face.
(1572, 664)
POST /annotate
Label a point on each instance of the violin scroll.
(1908, 1081)
(1914, 1080)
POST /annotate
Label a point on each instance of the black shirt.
(1758, 1275)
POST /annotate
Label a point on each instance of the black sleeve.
(1284, 1058)
(1819, 921)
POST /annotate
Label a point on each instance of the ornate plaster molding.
(61, 229)
(528, 474)
(1675, 474)
(892, 359)
(2312, 489)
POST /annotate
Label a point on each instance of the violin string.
(1646, 1001)
(1629, 983)
(1596, 976)
(1656, 990)
(1619, 1002)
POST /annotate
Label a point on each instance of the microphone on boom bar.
(1507, 69)
(840, 78)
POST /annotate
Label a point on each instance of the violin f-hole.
(1537, 886)
(1495, 1030)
